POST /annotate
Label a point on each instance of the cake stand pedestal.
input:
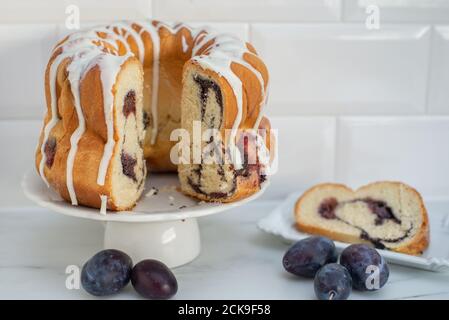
(174, 242)
(162, 226)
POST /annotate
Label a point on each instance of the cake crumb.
(153, 191)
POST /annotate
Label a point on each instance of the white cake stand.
(162, 226)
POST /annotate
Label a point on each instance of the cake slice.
(214, 176)
(129, 170)
(91, 147)
(389, 215)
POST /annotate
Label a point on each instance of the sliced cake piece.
(389, 215)
(203, 104)
(93, 152)
(129, 165)
(212, 175)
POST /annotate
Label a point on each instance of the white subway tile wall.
(24, 52)
(398, 10)
(345, 69)
(238, 29)
(54, 11)
(247, 10)
(16, 163)
(438, 102)
(414, 150)
(306, 152)
(350, 103)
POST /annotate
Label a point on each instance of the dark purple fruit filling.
(213, 195)
(381, 210)
(195, 186)
(128, 164)
(146, 120)
(205, 86)
(143, 172)
(327, 208)
(217, 195)
(221, 173)
(129, 105)
(377, 243)
(50, 151)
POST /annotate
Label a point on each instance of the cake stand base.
(175, 242)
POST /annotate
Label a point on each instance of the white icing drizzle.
(104, 204)
(262, 108)
(185, 46)
(109, 66)
(84, 55)
(228, 44)
(129, 31)
(225, 51)
(154, 33)
(54, 116)
(178, 26)
(76, 70)
(77, 44)
(221, 64)
(110, 33)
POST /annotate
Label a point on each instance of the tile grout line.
(249, 32)
(430, 51)
(336, 145)
(151, 14)
(342, 6)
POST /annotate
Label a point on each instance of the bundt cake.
(389, 215)
(117, 95)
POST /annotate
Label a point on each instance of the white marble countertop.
(237, 261)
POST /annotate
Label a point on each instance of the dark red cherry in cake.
(128, 164)
(50, 151)
(129, 105)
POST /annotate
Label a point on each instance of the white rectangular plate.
(280, 222)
